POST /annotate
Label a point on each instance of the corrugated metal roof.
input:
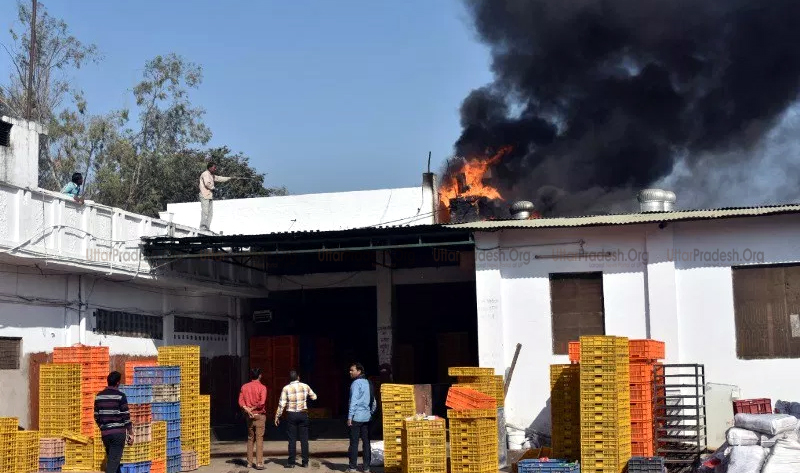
(631, 218)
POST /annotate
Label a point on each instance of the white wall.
(41, 306)
(524, 314)
(310, 212)
(19, 163)
(686, 303)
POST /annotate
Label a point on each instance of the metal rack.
(680, 415)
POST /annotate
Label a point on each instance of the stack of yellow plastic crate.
(203, 446)
(397, 404)
(605, 404)
(565, 409)
(158, 448)
(187, 357)
(99, 450)
(79, 452)
(94, 363)
(8, 444)
(473, 440)
(27, 451)
(424, 445)
(59, 399)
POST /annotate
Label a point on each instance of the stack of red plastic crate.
(644, 355)
(275, 356)
(94, 363)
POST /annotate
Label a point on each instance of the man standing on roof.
(207, 180)
(294, 400)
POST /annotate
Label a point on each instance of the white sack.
(741, 437)
(770, 424)
(746, 459)
(785, 457)
(377, 453)
(792, 435)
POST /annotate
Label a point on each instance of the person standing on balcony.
(207, 181)
(112, 416)
(253, 400)
(73, 188)
(294, 400)
(362, 407)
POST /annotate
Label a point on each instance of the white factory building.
(374, 272)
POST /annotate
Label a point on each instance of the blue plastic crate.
(166, 411)
(51, 464)
(138, 393)
(173, 447)
(547, 466)
(157, 375)
(174, 464)
(646, 465)
(141, 467)
(173, 429)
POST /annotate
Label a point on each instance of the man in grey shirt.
(207, 181)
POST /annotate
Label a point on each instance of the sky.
(323, 96)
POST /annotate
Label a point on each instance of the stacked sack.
(761, 443)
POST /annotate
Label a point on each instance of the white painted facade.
(19, 162)
(685, 300)
(314, 212)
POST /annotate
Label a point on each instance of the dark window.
(10, 353)
(5, 134)
(126, 324)
(201, 326)
(767, 311)
(577, 308)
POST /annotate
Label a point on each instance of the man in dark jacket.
(113, 417)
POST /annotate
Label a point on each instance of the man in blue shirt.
(73, 189)
(362, 406)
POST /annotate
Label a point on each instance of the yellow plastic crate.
(469, 372)
(158, 446)
(27, 451)
(59, 398)
(138, 452)
(79, 456)
(99, 456)
(472, 414)
(9, 425)
(8, 450)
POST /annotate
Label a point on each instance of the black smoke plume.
(600, 98)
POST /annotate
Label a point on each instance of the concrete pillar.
(385, 297)
(661, 291)
(488, 287)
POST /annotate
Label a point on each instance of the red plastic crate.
(460, 398)
(646, 350)
(641, 373)
(575, 352)
(752, 406)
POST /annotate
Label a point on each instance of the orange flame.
(473, 171)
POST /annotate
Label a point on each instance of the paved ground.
(276, 464)
(326, 456)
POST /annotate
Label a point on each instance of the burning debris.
(594, 100)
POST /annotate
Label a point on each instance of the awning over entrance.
(302, 249)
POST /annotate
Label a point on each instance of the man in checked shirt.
(294, 400)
